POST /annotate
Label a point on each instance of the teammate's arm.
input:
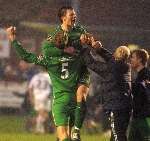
(104, 53)
(94, 65)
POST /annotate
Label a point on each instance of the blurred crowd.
(18, 73)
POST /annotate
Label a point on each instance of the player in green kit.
(64, 69)
(68, 34)
(71, 38)
(65, 73)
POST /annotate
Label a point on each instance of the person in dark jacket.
(140, 125)
(117, 98)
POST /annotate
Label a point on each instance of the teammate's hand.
(11, 32)
(69, 50)
(86, 39)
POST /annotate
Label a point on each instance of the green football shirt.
(64, 70)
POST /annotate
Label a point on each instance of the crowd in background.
(10, 72)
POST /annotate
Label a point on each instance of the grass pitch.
(12, 129)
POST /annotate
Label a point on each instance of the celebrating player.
(64, 69)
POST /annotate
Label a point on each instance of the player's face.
(135, 61)
(70, 18)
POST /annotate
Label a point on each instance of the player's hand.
(96, 44)
(69, 50)
(11, 32)
(86, 39)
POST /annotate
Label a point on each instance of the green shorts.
(63, 113)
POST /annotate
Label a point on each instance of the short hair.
(122, 53)
(142, 54)
(62, 11)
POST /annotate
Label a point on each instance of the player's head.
(139, 57)
(122, 53)
(67, 15)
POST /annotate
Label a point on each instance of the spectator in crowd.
(27, 71)
(40, 91)
(10, 73)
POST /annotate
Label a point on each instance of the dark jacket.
(117, 77)
(141, 104)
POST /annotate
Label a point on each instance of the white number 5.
(64, 71)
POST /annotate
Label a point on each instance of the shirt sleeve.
(27, 56)
(104, 53)
(96, 66)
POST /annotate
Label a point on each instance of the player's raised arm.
(22, 52)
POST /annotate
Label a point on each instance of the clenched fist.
(96, 44)
(11, 32)
(86, 39)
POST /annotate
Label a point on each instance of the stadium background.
(117, 22)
